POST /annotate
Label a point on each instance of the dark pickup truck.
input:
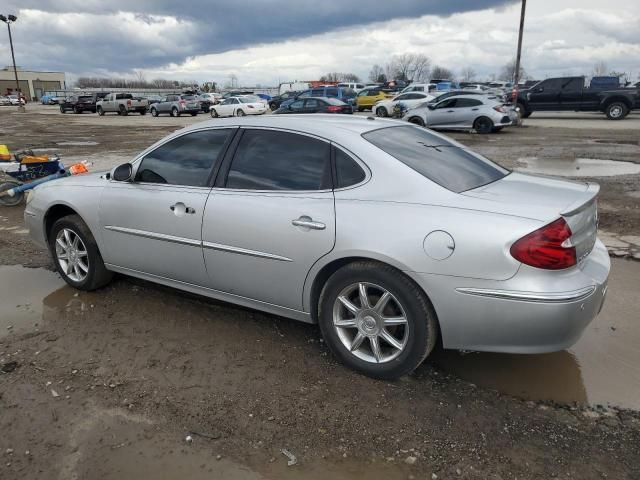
(572, 94)
(81, 103)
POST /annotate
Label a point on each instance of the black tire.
(240, 113)
(273, 106)
(616, 110)
(62, 110)
(77, 110)
(483, 125)
(143, 111)
(175, 112)
(154, 112)
(193, 114)
(6, 200)
(417, 121)
(214, 113)
(97, 275)
(381, 112)
(421, 323)
(100, 111)
(360, 109)
(123, 111)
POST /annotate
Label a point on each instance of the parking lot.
(109, 384)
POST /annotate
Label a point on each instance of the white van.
(352, 85)
(293, 87)
(419, 87)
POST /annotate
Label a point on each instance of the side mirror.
(123, 173)
(431, 106)
(539, 89)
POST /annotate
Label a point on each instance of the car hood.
(83, 180)
(533, 196)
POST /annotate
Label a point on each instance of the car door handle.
(180, 209)
(474, 109)
(307, 222)
(450, 111)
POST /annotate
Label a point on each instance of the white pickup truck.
(122, 104)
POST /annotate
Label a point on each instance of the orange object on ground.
(34, 159)
(78, 168)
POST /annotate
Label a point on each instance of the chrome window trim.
(540, 297)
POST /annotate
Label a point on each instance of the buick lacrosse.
(391, 237)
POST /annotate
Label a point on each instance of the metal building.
(32, 84)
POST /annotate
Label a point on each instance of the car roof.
(322, 125)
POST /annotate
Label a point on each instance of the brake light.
(128, 103)
(499, 108)
(334, 108)
(547, 248)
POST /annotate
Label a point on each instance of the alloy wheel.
(72, 255)
(370, 322)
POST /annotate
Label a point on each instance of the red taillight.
(499, 108)
(334, 108)
(128, 103)
(546, 247)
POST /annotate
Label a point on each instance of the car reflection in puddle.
(603, 368)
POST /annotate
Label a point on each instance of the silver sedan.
(463, 112)
(388, 235)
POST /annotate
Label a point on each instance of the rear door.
(270, 216)
(311, 105)
(466, 111)
(153, 224)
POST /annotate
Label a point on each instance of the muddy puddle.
(603, 368)
(22, 292)
(117, 445)
(580, 167)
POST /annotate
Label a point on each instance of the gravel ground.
(110, 384)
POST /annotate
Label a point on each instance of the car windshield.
(441, 161)
(247, 100)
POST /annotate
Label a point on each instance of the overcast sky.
(267, 41)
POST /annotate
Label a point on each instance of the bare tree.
(377, 75)
(600, 69)
(409, 67)
(350, 77)
(333, 77)
(508, 71)
(468, 74)
(441, 73)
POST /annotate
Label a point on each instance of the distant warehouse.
(32, 84)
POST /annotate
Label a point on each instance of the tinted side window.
(348, 172)
(270, 160)
(573, 85)
(552, 84)
(331, 92)
(187, 160)
(467, 102)
(442, 162)
(317, 92)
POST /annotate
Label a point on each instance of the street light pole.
(516, 87)
(9, 19)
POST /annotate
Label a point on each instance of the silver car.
(388, 235)
(466, 112)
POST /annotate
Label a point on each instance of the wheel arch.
(321, 271)
(55, 212)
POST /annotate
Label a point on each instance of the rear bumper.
(535, 311)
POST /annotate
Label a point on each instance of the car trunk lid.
(545, 199)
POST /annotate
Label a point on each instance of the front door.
(444, 114)
(153, 223)
(270, 217)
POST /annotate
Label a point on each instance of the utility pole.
(9, 19)
(517, 73)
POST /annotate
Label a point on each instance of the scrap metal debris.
(292, 458)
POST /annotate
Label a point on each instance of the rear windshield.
(441, 161)
(188, 98)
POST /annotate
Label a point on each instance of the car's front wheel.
(76, 254)
(417, 121)
(154, 112)
(381, 112)
(239, 113)
(376, 320)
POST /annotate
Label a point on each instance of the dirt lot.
(109, 384)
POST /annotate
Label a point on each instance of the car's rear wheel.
(76, 254)
(214, 113)
(143, 111)
(123, 111)
(239, 113)
(483, 125)
(175, 112)
(77, 110)
(154, 112)
(616, 111)
(100, 111)
(381, 112)
(417, 121)
(376, 320)
(61, 109)
(193, 114)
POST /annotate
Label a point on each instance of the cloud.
(93, 35)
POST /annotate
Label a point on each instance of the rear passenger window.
(272, 160)
(348, 172)
(332, 92)
(186, 160)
